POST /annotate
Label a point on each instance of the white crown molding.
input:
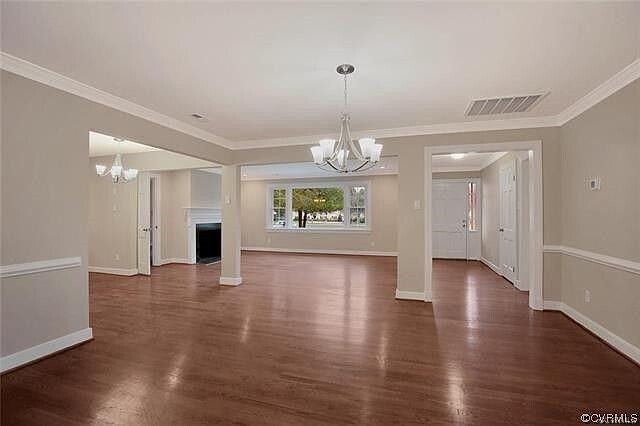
(34, 72)
(18, 269)
(50, 78)
(612, 339)
(601, 259)
(42, 350)
(619, 80)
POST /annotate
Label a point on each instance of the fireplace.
(208, 242)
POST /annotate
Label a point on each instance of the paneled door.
(449, 219)
(144, 224)
(507, 230)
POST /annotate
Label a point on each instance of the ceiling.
(267, 70)
(100, 145)
(386, 166)
(472, 161)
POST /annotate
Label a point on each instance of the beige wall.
(604, 141)
(45, 198)
(175, 196)
(205, 189)
(382, 238)
(456, 175)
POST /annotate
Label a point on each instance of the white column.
(231, 222)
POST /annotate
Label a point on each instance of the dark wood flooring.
(311, 339)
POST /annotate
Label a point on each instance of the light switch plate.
(416, 204)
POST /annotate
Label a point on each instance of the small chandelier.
(335, 155)
(118, 173)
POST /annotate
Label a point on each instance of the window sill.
(322, 230)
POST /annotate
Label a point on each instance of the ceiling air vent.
(504, 105)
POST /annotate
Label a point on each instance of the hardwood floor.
(310, 339)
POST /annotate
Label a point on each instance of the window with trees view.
(322, 206)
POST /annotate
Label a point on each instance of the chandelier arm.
(362, 167)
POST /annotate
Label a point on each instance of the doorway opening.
(145, 204)
(483, 204)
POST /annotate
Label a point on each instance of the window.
(473, 201)
(279, 208)
(331, 206)
(357, 207)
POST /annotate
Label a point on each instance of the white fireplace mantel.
(194, 216)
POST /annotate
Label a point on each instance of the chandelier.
(118, 173)
(335, 155)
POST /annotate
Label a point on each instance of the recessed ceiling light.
(382, 167)
(118, 139)
(457, 156)
(197, 116)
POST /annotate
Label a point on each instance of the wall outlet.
(117, 256)
(373, 243)
(268, 240)
(416, 204)
(587, 296)
(594, 183)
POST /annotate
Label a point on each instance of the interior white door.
(449, 219)
(508, 230)
(144, 224)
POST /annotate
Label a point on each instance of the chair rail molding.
(39, 266)
(601, 259)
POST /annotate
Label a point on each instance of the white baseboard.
(494, 267)
(175, 260)
(611, 338)
(324, 251)
(34, 353)
(410, 295)
(113, 271)
(39, 266)
(230, 281)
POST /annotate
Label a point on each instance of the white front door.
(507, 231)
(144, 224)
(449, 219)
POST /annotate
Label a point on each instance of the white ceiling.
(386, 166)
(472, 161)
(267, 70)
(100, 145)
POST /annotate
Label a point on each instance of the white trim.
(18, 269)
(599, 330)
(233, 281)
(535, 205)
(410, 295)
(50, 78)
(175, 260)
(323, 251)
(491, 265)
(113, 271)
(601, 259)
(34, 353)
(624, 77)
(156, 216)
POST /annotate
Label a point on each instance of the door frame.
(155, 198)
(534, 149)
(479, 212)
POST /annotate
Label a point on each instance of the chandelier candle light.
(335, 155)
(118, 173)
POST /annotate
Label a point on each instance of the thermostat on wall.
(594, 183)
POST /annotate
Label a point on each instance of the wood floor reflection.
(310, 339)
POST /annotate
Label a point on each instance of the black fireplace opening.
(208, 242)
